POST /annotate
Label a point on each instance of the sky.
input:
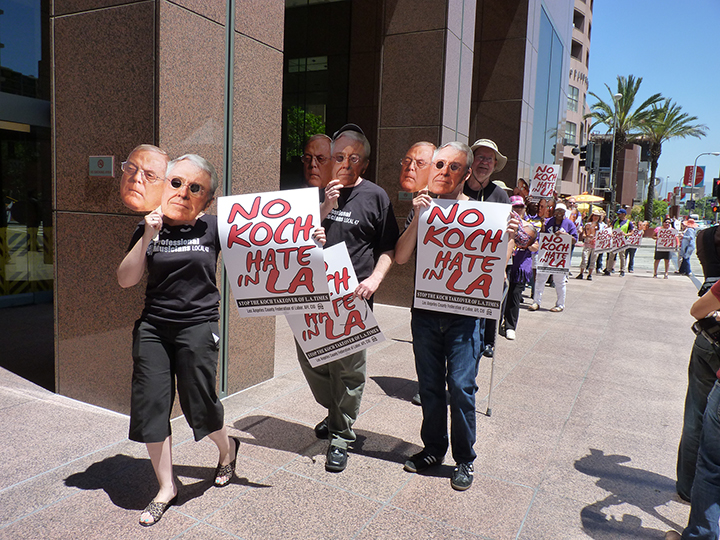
(675, 47)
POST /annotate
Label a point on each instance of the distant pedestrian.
(661, 255)
(589, 233)
(687, 246)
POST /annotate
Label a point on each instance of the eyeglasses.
(307, 159)
(353, 158)
(454, 166)
(486, 159)
(196, 190)
(132, 170)
(419, 163)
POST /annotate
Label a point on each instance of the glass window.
(570, 133)
(573, 97)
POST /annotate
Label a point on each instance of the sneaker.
(580, 276)
(462, 476)
(589, 278)
(421, 461)
(534, 306)
(556, 309)
(606, 273)
(622, 273)
(489, 351)
(509, 334)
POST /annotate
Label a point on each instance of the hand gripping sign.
(273, 264)
(543, 181)
(603, 241)
(666, 239)
(634, 239)
(554, 253)
(461, 257)
(346, 326)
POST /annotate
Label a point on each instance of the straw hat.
(487, 143)
(690, 222)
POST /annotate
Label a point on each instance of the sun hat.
(517, 200)
(690, 222)
(487, 143)
(596, 212)
(560, 206)
(501, 184)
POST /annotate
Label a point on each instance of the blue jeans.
(705, 507)
(447, 348)
(704, 364)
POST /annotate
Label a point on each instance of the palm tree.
(627, 122)
(666, 122)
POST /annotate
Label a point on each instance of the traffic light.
(715, 208)
(583, 156)
(716, 188)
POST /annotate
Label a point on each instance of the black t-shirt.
(365, 221)
(491, 193)
(181, 263)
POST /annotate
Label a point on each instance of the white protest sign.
(618, 241)
(461, 256)
(543, 181)
(554, 253)
(666, 239)
(273, 264)
(603, 241)
(346, 326)
(634, 239)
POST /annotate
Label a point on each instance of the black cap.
(348, 127)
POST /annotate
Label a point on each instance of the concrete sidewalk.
(582, 440)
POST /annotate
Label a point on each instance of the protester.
(142, 182)
(317, 168)
(704, 507)
(520, 271)
(589, 256)
(415, 166)
(359, 213)
(557, 224)
(177, 335)
(487, 160)
(687, 246)
(702, 369)
(626, 226)
(661, 255)
(446, 345)
(642, 226)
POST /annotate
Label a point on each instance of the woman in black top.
(176, 339)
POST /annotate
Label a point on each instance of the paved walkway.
(581, 443)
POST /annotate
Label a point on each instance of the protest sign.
(618, 241)
(634, 239)
(346, 326)
(603, 241)
(543, 181)
(554, 253)
(461, 256)
(666, 239)
(273, 264)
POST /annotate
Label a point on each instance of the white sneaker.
(509, 334)
(533, 307)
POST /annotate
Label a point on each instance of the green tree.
(628, 120)
(300, 126)
(667, 121)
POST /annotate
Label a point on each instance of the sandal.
(156, 511)
(227, 470)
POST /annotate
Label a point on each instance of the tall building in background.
(242, 83)
(574, 175)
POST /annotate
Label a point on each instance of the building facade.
(574, 175)
(241, 83)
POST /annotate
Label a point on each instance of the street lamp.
(692, 187)
(611, 210)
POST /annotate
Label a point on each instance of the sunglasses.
(454, 166)
(196, 190)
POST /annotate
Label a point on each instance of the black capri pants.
(162, 354)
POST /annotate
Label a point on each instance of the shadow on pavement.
(627, 485)
(130, 482)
